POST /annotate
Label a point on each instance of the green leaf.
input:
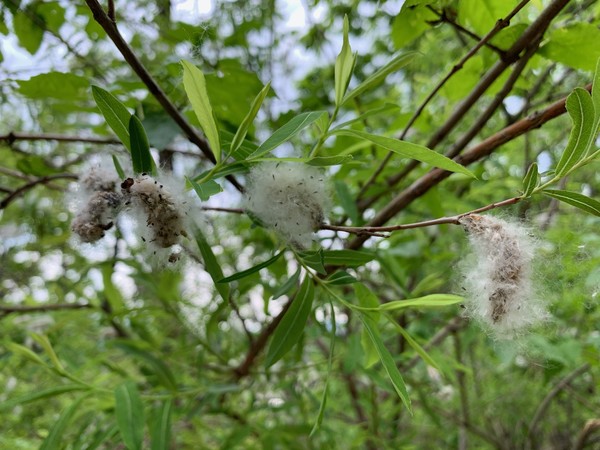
(347, 201)
(386, 359)
(47, 346)
(344, 65)
(130, 415)
(115, 113)
(211, 265)
(290, 329)
(315, 260)
(58, 85)
(251, 270)
(30, 34)
(206, 189)
(19, 349)
(350, 258)
(581, 109)
(414, 344)
(367, 299)
(531, 180)
(321, 161)
(53, 440)
(247, 122)
(40, 395)
(195, 87)
(156, 365)
(372, 81)
(287, 286)
(286, 132)
(409, 150)
(410, 23)
(575, 45)
(141, 159)
(118, 167)
(161, 426)
(433, 300)
(575, 199)
(341, 277)
(323, 404)
(596, 94)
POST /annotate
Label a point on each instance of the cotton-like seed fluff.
(499, 282)
(292, 199)
(163, 214)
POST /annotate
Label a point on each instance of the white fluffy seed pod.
(498, 277)
(164, 214)
(292, 199)
(97, 215)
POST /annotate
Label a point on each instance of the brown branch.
(500, 24)
(109, 26)
(42, 180)
(481, 150)
(589, 427)
(260, 343)
(543, 406)
(222, 209)
(14, 136)
(453, 220)
(17, 309)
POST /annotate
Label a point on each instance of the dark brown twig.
(112, 31)
(483, 149)
(18, 309)
(42, 180)
(589, 427)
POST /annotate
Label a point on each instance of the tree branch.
(17, 309)
(42, 180)
(481, 150)
(113, 33)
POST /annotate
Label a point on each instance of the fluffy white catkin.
(293, 199)
(498, 280)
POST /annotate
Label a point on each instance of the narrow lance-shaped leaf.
(386, 359)
(211, 265)
(351, 258)
(251, 270)
(54, 438)
(596, 97)
(410, 150)
(581, 109)
(195, 87)
(531, 180)
(286, 132)
(575, 199)
(161, 429)
(118, 167)
(290, 329)
(288, 285)
(344, 65)
(141, 159)
(372, 81)
(114, 112)
(247, 122)
(130, 415)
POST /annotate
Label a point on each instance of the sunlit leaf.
(575, 199)
(115, 113)
(247, 122)
(409, 150)
(531, 180)
(195, 87)
(344, 65)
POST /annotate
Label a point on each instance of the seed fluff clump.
(292, 199)
(99, 204)
(498, 277)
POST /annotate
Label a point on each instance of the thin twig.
(130, 57)
(18, 309)
(42, 180)
(589, 427)
(500, 24)
(545, 403)
(222, 209)
(481, 150)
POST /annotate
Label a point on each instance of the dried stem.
(42, 180)
(112, 31)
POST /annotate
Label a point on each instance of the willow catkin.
(292, 199)
(499, 279)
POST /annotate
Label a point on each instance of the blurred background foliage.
(172, 334)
